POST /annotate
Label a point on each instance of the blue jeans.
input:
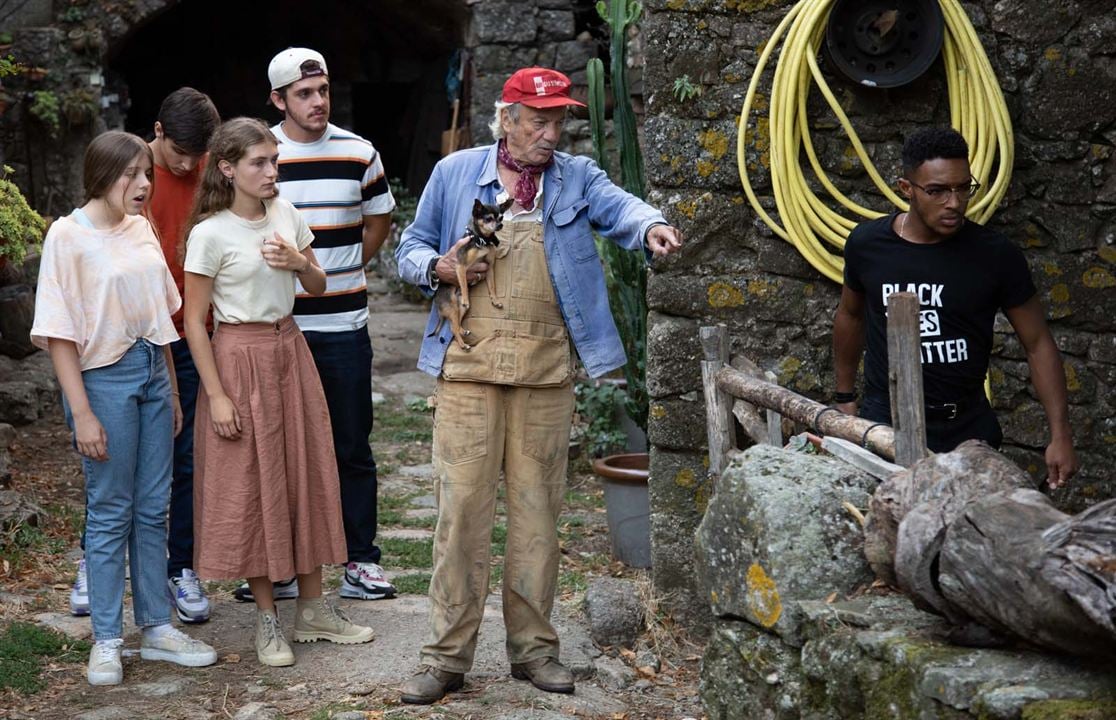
(126, 495)
(344, 362)
(180, 538)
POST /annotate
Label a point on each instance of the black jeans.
(977, 422)
(180, 533)
(344, 361)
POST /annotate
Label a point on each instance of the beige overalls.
(507, 402)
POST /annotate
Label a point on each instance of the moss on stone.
(1070, 710)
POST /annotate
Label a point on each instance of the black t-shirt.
(961, 283)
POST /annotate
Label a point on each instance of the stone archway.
(387, 59)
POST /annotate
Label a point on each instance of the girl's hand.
(92, 442)
(177, 409)
(226, 420)
(281, 255)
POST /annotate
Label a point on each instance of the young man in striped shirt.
(335, 178)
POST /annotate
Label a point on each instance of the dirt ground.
(347, 681)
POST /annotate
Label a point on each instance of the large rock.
(879, 657)
(17, 313)
(615, 610)
(19, 402)
(776, 531)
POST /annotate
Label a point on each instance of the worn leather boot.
(429, 685)
(545, 673)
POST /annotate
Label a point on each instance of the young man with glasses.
(963, 274)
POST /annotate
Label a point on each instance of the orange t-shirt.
(170, 208)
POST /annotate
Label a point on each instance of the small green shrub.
(46, 108)
(21, 228)
(596, 404)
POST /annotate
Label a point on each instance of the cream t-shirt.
(228, 248)
(103, 290)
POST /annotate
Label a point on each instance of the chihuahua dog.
(453, 302)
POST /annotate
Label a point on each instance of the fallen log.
(971, 539)
(877, 437)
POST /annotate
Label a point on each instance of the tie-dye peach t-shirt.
(103, 290)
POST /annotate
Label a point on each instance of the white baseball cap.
(294, 64)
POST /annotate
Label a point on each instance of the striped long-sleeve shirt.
(334, 181)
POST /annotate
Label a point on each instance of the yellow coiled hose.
(977, 111)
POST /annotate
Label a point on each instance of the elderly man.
(508, 401)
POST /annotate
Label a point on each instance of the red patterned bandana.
(526, 187)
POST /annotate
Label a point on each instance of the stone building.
(389, 59)
(1055, 63)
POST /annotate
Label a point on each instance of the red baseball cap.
(538, 88)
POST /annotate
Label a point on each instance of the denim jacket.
(578, 197)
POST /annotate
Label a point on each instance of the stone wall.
(1055, 63)
(799, 630)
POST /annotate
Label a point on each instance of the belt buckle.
(952, 408)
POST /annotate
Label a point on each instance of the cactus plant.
(625, 270)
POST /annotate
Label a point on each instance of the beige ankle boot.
(271, 647)
(317, 619)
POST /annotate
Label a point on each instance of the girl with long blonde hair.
(266, 495)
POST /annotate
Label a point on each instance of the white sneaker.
(79, 593)
(189, 598)
(366, 581)
(280, 590)
(175, 646)
(105, 667)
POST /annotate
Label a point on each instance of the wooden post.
(774, 419)
(904, 378)
(718, 403)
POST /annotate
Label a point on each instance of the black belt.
(945, 412)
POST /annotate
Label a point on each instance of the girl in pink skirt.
(266, 496)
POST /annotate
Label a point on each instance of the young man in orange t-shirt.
(187, 119)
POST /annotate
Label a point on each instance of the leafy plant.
(625, 270)
(684, 88)
(80, 106)
(46, 108)
(5, 38)
(72, 14)
(21, 228)
(596, 406)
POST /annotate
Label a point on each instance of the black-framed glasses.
(940, 193)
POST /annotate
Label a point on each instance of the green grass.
(427, 522)
(572, 581)
(413, 583)
(24, 647)
(398, 552)
(389, 517)
(402, 425)
(20, 545)
(499, 539)
(579, 499)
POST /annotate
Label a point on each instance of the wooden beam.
(904, 378)
(774, 419)
(877, 437)
(860, 458)
(718, 404)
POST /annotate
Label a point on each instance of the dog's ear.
(478, 207)
(506, 204)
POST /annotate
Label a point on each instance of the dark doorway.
(387, 61)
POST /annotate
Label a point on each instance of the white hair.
(496, 126)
